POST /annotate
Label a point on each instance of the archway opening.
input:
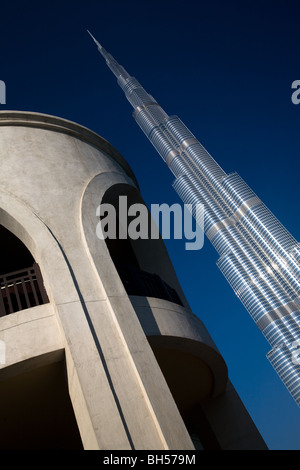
(21, 284)
(142, 263)
(14, 254)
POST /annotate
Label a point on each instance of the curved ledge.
(200, 350)
(57, 124)
(171, 326)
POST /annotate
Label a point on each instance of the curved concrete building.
(98, 346)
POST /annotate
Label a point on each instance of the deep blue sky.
(226, 68)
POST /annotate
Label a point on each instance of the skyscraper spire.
(116, 69)
(259, 258)
(95, 40)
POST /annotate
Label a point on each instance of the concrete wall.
(44, 175)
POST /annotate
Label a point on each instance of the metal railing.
(21, 289)
(137, 282)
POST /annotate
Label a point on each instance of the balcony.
(137, 282)
(21, 289)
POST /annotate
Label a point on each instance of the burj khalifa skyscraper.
(259, 258)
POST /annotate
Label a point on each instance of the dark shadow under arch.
(143, 264)
(14, 254)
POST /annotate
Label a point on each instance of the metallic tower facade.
(259, 258)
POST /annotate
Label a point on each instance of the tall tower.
(98, 346)
(258, 256)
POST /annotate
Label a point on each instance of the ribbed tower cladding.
(258, 256)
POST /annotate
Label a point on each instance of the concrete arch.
(152, 254)
(55, 321)
(182, 329)
(97, 249)
(19, 219)
(157, 400)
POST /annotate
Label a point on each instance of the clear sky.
(226, 69)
